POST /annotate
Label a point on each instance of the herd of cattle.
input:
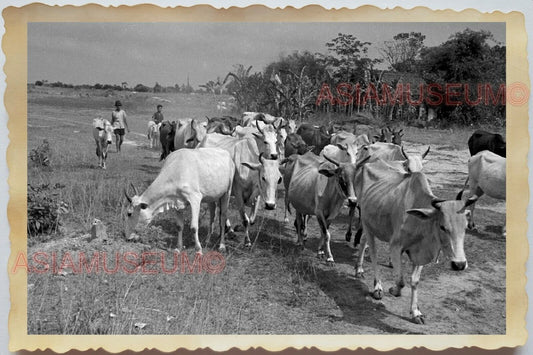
(322, 171)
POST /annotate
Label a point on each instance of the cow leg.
(396, 259)
(255, 208)
(239, 202)
(348, 235)
(212, 213)
(223, 214)
(180, 224)
(99, 153)
(378, 288)
(359, 273)
(326, 237)
(287, 208)
(195, 202)
(299, 222)
(418, 317)
(478, 192)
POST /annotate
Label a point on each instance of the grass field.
(271, 288)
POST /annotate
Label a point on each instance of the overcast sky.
(111, 53)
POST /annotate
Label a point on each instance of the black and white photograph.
(267, 178)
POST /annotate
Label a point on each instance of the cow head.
(397, 137)
(269, 178)
(268, 138)
(345, 174)
(295, 144)
(414, 163)
(136, 212)
(385, 135)
(449, 221)
(350, 149)
(197, 134)
(290, 127)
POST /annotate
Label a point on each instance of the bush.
(40, 156)
(44, 209)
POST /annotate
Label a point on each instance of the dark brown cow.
(318, 137)
(167, 131)
(483, 140)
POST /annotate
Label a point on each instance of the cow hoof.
(286, 220)
(377, 294)
(419, 319)
(321, 254)
(222, 248)
(248, 244)
(395, 291)
(330, 261)
(360, 275)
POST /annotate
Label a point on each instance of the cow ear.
(422, 213)
(252, 166)
(328, 172)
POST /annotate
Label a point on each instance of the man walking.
(119, 122)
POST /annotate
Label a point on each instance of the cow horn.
(134, 188)
(362, 162)
(426, 153)
(261, 158)
(459, 196)
(259, 129)
(331, 160)
(471, 200)
(127, 197)
(435, 203)
(403, 152)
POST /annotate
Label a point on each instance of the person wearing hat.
(158, 116)
(119, 122)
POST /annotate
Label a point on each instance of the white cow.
(486, 175)
(187, 178)
(102, 133)
(153, 134)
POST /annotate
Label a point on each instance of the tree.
(403, 51)
(348, 62)
(469, 58)
(240, 86)
(157, 87)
